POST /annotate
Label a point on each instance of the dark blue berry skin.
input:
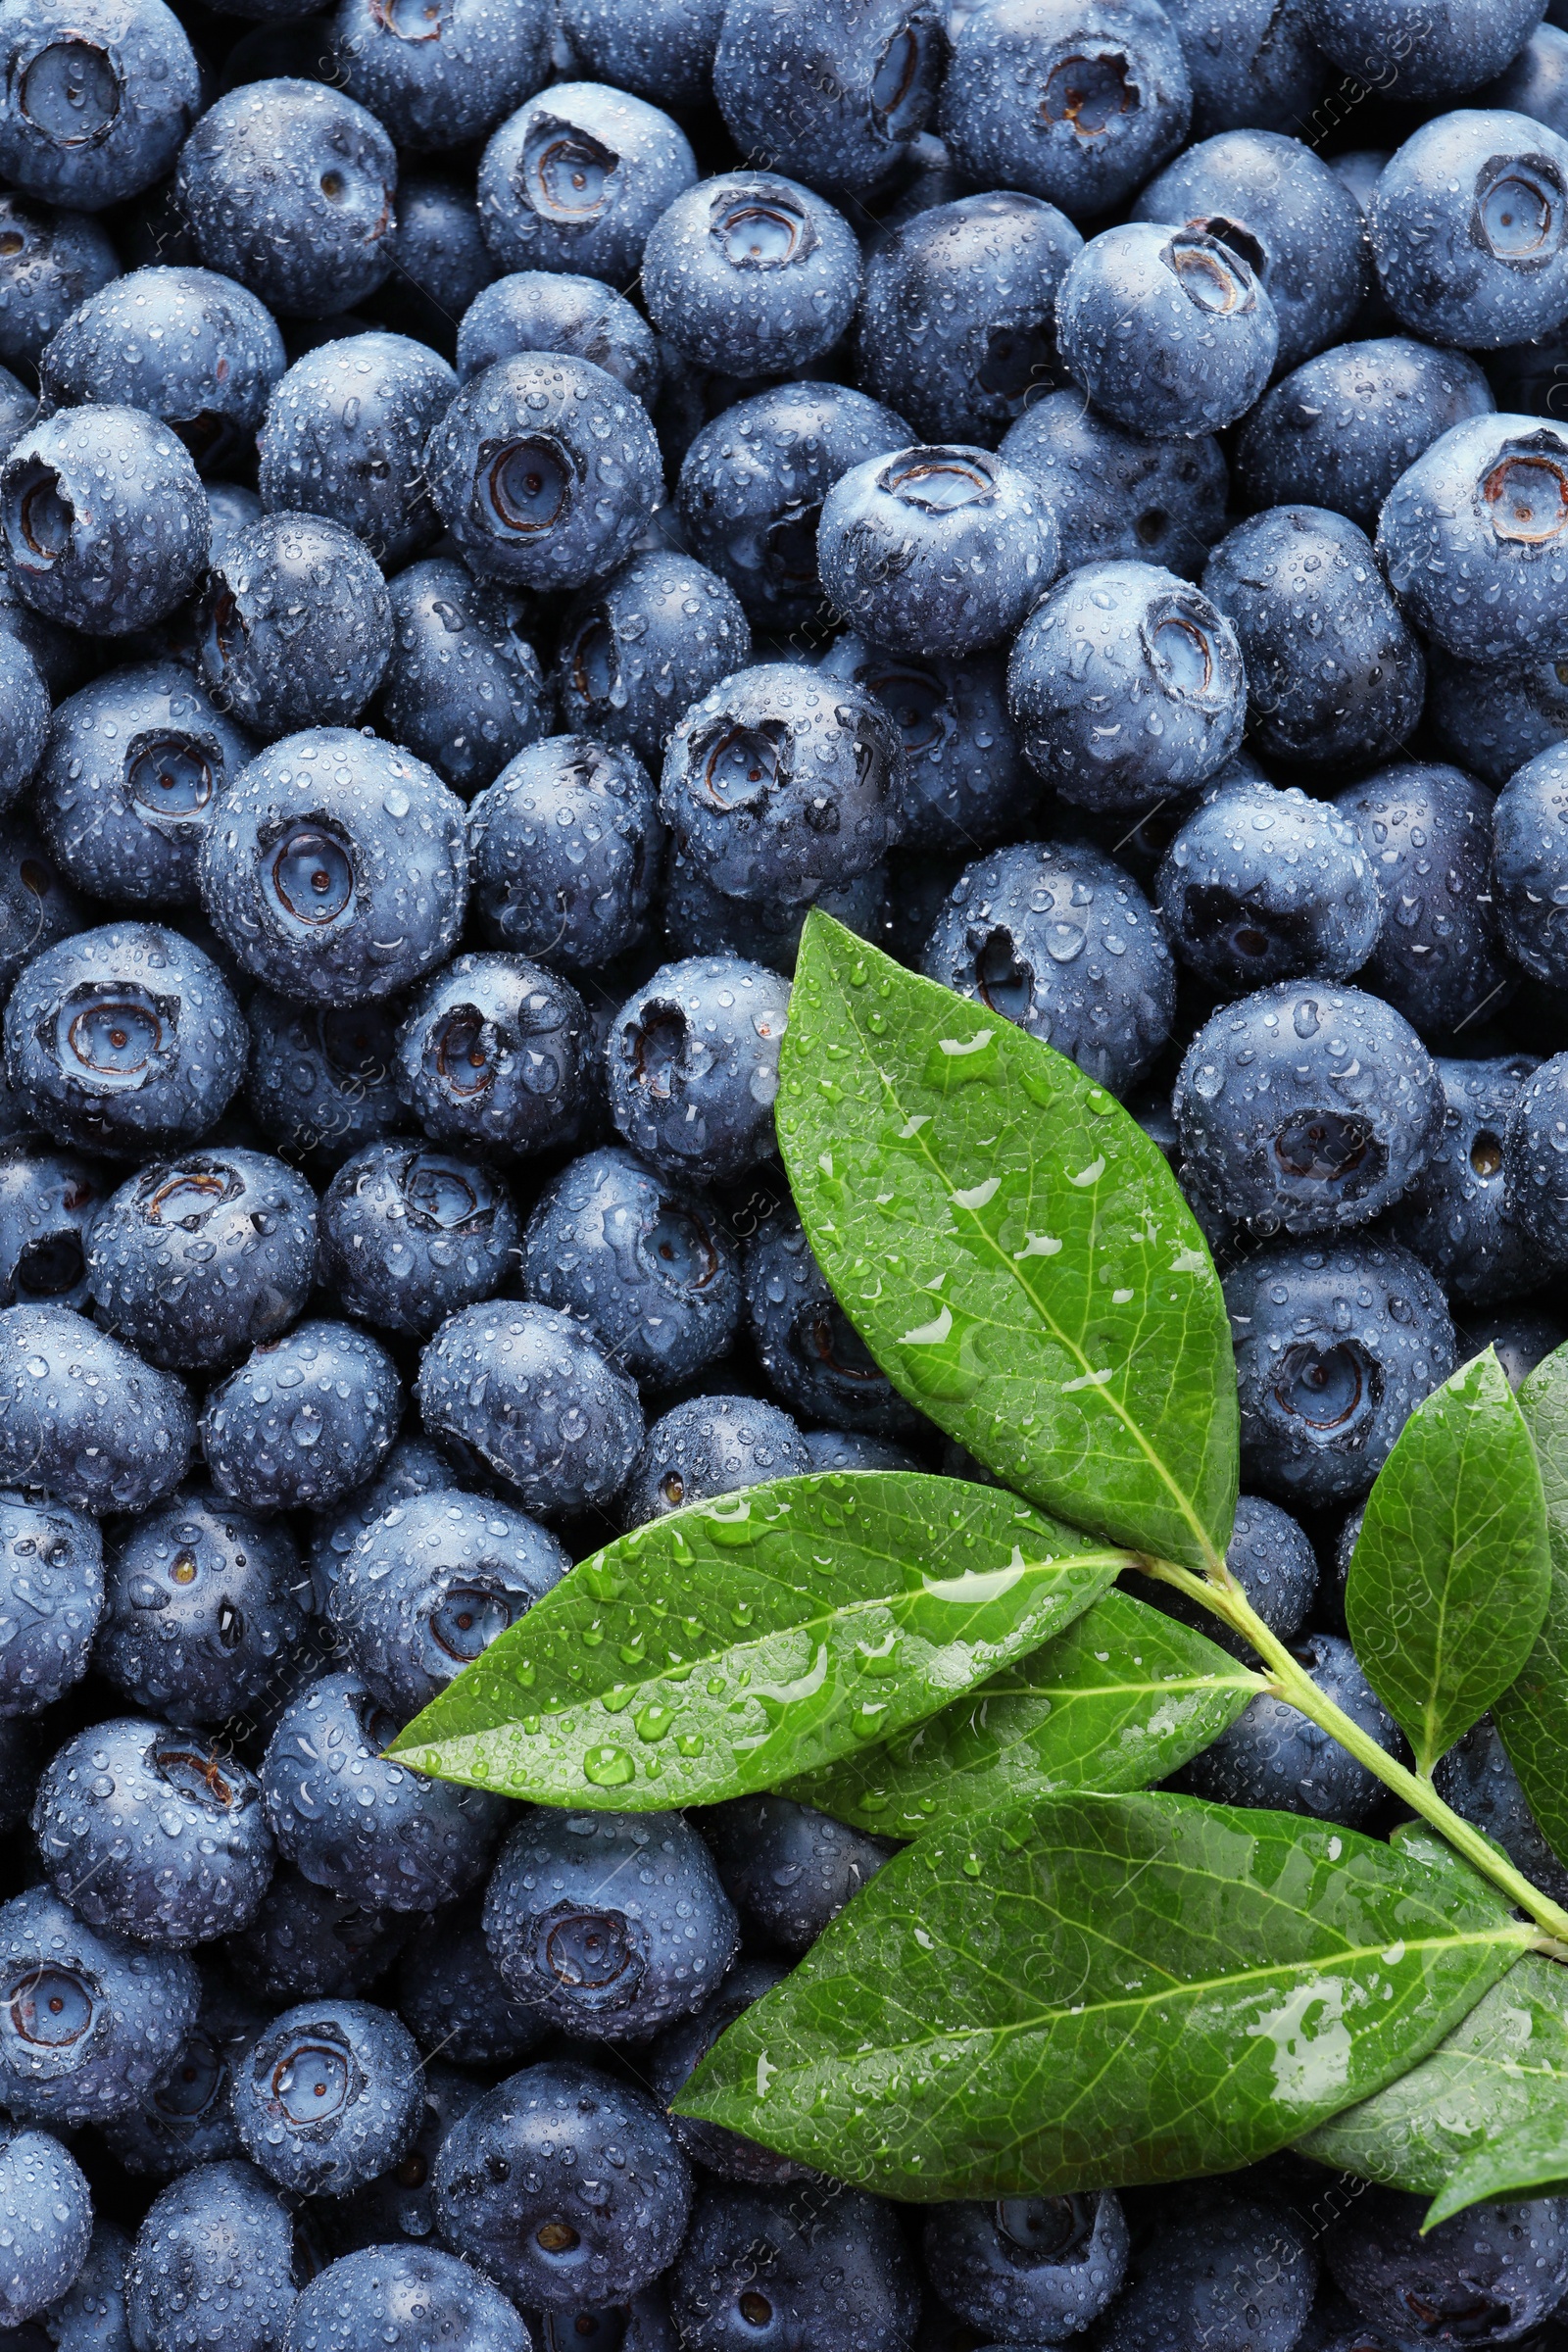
(1070, 100)
(1306, 1110)
(413, 1845)
(455, 79)
(1260, 885)
(345, 434)
(751, 274)
(294, 625)
(752, 482)
(566, 849)
(1336, 1345)
(551, 310)
(18, 409)
(495, 1053)
(1521, 1336)
(1117, 496)
(1471, 538)
(964, 784)
(304, 1420)
(53, 263)
(1034, 2266)
(204, 1604)
(1536, 83)
(701, 921)
(91, 2317)
(1132, 638)
(646, 1264)
(1469, 197)
(711, 1445)
(1253, 63)
(126, 791)
(46, 2214)
(103, 517)
(674, 2057)
(52, 1584)
(287, 185)
(1056, 937)
(1273, 1757)
(1455, 1216)
(834, 101)
(38, 906)
(95, 112)
(308, 1944)
(25, 701)
(451, 1996)
(401, 2299)
(641, 647)
(396, 2209)
(462, 690)
(1341, 430)
(575, 179)
(216, 2250)
(329, 2096)
(1491, 722)
(97, 1427)
(1487, 2276)
(197, 1260)
(431, 1583)
(528, 2164)
(664, 50)
(545, 471)
(1218, 2269)
(440, 261)
(1529, 865)
(191, 348)
(186, 2118)
(818, 2269)
(153, 1834)
(788, 1869)
(811, 1353)
(49, 1200)
(852, 1449)
(1168, 331)
(1425, 828)
(1335, 677)
(124, 2014)
(1272, 1560)
(1479, 1782)
(936, 549)
(321, 1076)
(537, 1400)
(957, 329)
(410, 1234)
(1454, 47)
(415, 1466)
(1534, 1160)
(335, 868)
(610, 1925)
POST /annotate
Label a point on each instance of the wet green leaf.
(1450, 1576)
(1097, 1990)
(1531, 2161)
(1013, 1249)
(1120, 1699)
(1532, 1716)
(721, 1650)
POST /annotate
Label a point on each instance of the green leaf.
(718, 1650)
(1531, 2162)
(1120, 1699)
(1451, 1575)
(1098, 1989)
(1502, 2073)
(1532, 1716)
(1013, 1249)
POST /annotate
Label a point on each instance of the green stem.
(1219, 1592)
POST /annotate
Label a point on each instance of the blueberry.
(702, 922)
(430, 1584)
(1117, 496)
(693, 1062)
(1220, 2270)
(415, 1466)
(752, 271)
(810, 1353)
(1303, 1110)
(204, 1605)
(307, 1944)
(1490, 721)
(304, 1420)
(835, 99)
(1275, 1565)
(494, 1052)
(1273, 1757)
(544, 469)
(711, 1445)
(294, 626)
(1249, 63)
(396, 2209)
(368, 1830)
(527, 2188)
(49, 1203)
(1056, 937)
(551, 310)
(287, 185)
(567, 847)
(639, 2323)
(38, 906)
(95, 109)
(451, 1997)
(103, 517)
(1168, 330)
(463, 689)
(1471, 534)
(91, 2317)
(788, 1869)
(644, 1263)
(344, 436)
(88, 2022)
(401, 2299)
(1260, 884)
(50, 264)
(28, 731)
(1467, 225)
(46, 2216)
(439, 258)
(1483, 2277)
(329, 2096)
(818, 2267)
(1335, 1344)
(217, 2251)
(151, 1833)
(1534, 1160)
(576, 179)
(752, 482)
(321, 1076)
(84, 1417)
(1426, 829)
(1479, 1782)
(853, 1450)
(1455, 1215)
(52, 1592)
(186, 2118)
(641, 647)
(964, 784)
(676, 2056)
(1335, 678)
(537, 1400)
(444, 82)
(1530, 865)
(408, 1235)
(1521, 1338)
(1341, 430)
(1034, 2266)
(1536, 83)
(662, 49)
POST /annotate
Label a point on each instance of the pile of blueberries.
(502, 510)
